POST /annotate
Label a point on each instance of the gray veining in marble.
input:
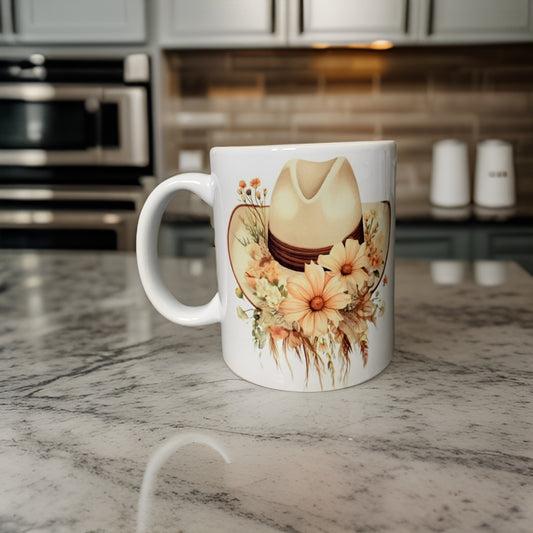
(93, 381)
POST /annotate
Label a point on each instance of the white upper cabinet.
(222, 23)
(352, 21)
(476, 21)
(7, 34)
(79, 21)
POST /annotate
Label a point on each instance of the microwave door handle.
(94, 122)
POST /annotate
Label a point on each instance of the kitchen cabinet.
(6, 22)
(475, 21)
(76, 21)
(470, 242)
(230, 23)
(431, 243)
(354, 21)
(296, 23)
(192, 240)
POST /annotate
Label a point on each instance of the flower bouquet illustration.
(308, 262)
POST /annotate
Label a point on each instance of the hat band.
(296, 258)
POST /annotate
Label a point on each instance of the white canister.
(490, 273)
(450, 179)
(448, 272)
(495, 178)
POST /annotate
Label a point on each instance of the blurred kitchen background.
(102, 99)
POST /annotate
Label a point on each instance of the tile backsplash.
(415, 96)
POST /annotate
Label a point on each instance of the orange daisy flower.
(314, 300)
(347, 263)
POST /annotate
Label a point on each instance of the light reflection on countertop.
(93, 381)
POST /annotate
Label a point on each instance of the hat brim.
(239, 236)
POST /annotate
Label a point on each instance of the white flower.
(268, 292)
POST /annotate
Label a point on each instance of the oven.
(75, 151)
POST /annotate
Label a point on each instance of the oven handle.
(133, 125)
(39, 92)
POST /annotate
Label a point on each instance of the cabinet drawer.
(214, 23)
(354, 21)
(79, 21)
(452, 21)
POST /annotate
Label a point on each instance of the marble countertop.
(94, 385)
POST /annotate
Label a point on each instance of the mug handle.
(147, 231)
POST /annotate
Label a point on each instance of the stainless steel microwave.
(71, 114)
(45, 124)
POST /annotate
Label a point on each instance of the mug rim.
(298, 146)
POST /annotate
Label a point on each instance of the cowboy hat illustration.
(314, 205)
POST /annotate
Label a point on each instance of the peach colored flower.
(353, 325)
(365, 309)
(347, 263)
(253, 274)
(374, 252)
(256, 182)
(278, 332)
(242, 184)
(273, 271)
(314, 300)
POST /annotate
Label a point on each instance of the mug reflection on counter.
(486, 273)
(159, 457)
(448, 272)
(490, 273)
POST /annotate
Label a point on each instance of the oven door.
(44, 124)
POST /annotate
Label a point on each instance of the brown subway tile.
(444, 125)
(356, 64)
(347, 86)
(199, 61)
(271, 60)
(195, 120)
(505, 126)
(249, 137)
(375, 103)
(453, 80)
(481, 102)
(509, 78)
(363, 124)
(260, 120)
(302, 82)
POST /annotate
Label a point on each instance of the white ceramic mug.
(304, 238)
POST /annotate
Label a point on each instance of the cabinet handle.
(301, 17)
(431, 14)
(7, 19)
(273, 15)
(406, 22)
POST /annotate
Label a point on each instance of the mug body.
(304, 238)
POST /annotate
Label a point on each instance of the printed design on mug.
(309, 262)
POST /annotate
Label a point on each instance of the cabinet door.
(445, 242)
(476, 21)
(6, 22)
(216, 23)
(352, 21)
(79, 21)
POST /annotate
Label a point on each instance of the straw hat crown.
(315, 204)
